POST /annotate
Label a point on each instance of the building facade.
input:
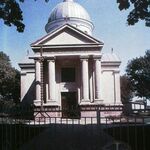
(68, 68)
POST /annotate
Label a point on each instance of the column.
(51, 76)
(85, 79)
(38, 80)
(117, 93)
(23, 85)
(97, 64)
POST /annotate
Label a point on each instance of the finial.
(68, 0)
(27, 52)
(112, 50)
(66, 18)
(41, 51)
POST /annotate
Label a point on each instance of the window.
(67, 74)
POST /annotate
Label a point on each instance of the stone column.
(51, 76)
(23, 85)
(85, 79)
(97, 64)
(117, 93)
(38, 80)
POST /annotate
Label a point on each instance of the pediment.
(66, 35)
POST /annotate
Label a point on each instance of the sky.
(110, 26)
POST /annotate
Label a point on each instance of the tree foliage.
(126, 89)
(138, 72)
(9, 80)
(140, 11)
(11, 13)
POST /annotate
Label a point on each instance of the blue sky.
(110, 27)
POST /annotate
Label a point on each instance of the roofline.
(111, 63)
(26, 64)
(67, 46)
(62, 27)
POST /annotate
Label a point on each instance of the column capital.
(97, 57)
(116, 71)
(39, 59)
(84, 57)
(52, 58)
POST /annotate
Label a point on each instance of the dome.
(68, 9)
(72, 13)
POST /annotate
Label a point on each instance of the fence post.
(98, 116)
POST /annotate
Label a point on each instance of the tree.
(138, 72)
(9, 80)
(11, 13)
(140, 11)
(126, 89)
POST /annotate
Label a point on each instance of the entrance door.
(70, 107)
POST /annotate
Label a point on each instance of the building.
(68, 68)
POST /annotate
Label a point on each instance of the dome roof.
(68, 9)
(110, 57)
(72, 13)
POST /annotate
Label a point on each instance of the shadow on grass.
(69, 137)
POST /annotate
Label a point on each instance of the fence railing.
(101, 127)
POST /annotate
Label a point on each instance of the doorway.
(70, 107)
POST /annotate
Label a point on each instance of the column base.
(37, 102)
(51, 103)
(48, 103)
(85, 102)
(113, 104)
(98, 101)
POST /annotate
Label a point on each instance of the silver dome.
(72, 13)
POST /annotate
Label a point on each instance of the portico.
(81, 67)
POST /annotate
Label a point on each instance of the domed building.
(68, 69)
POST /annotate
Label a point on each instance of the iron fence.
(92, 128)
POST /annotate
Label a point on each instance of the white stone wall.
(107, 87)
(110, 87)
(27, 79)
